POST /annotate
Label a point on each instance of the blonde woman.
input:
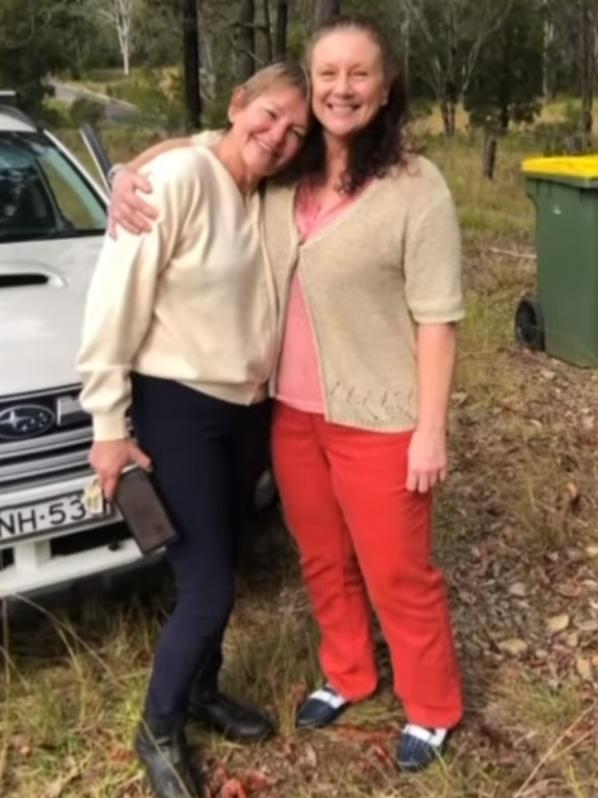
(180, 327)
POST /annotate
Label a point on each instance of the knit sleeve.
(120, 301)
(432, 263)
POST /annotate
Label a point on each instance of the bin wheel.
(529, 324)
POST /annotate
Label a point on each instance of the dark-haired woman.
(366, 255)
(363, 385)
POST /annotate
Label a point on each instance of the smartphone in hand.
(143, 510)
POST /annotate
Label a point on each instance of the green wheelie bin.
(563, 320)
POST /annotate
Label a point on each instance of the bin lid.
(576, 169)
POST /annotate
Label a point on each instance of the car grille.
(43, 436)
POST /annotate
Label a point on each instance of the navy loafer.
(419, 747)
(321, 708)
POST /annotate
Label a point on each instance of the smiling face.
(269, 129)
(348, 81)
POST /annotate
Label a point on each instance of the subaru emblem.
(25, 421)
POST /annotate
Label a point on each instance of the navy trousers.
(206, 455)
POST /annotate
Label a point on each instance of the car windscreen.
(42, 195)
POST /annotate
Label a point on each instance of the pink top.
(299, 368)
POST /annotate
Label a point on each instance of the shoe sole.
(322, 723)
(231, 735)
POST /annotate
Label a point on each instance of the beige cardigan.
(391, 260)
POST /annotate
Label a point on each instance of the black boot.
(216, 711)
(165, 757)
(228, 717)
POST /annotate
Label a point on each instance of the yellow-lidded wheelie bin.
(564, 321)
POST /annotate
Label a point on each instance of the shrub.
(85, 110)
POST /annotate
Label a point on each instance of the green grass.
(73, 683)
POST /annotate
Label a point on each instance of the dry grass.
(554, 111)
(515, 526)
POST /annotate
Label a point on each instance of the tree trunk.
(246, 41)
(191, 65)
(489, 155)
(405, 47)
(587, 66)
(268, 31)
(504, 117)
(548, 89)
(280, 41)
(326, 10)
(448, 111)
(208, 70)
(122, 11)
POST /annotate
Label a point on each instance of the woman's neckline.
(245, 196)
(343, 214)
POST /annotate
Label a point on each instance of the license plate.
(57, 513)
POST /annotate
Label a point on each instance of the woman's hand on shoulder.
(108, 458)
(426, 460)
(126, 206)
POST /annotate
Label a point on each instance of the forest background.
(177, 60)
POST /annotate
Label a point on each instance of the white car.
(52, 219)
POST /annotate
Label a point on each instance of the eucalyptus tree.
(507, 82)
(282, 21)
(190, 24)
(447, 37)
(36, 38)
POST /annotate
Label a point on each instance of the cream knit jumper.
(389, 262)
(190, 301)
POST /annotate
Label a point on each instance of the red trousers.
(364, 541)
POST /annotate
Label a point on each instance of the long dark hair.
(376, 148)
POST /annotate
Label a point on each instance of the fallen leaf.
(382, 755)
(568, 590)
(58, 786)
(572, 640)
(288, 748)
(541, 653)
(359, 735)
(513, 646)
(583, 667)
(590, 625)
(233, 789)
(310, 757)
(558, 623)
(120, 753)
(256, 780)
(218, 778)
(592, 551)
(518, 590)
(509, 533)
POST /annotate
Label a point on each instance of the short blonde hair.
(282, 72)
